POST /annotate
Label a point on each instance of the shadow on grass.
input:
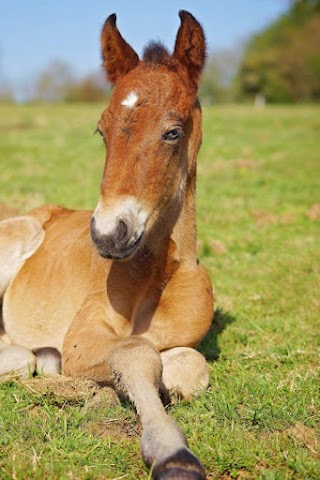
(209, 347)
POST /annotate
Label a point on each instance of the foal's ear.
(117, 55)
(190, 47)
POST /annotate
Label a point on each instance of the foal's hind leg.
(20, 237)
(185, 372)
(14, 358)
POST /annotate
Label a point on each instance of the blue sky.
(34, 32)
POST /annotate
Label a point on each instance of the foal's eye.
(172, 136)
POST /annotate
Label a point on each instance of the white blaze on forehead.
(130, 100)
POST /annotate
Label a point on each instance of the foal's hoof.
(48, 360)
(183, 465)
(17, 360)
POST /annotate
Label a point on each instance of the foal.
(127, 306)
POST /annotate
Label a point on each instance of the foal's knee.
(185, 372)
(136, 357)
(111, 361)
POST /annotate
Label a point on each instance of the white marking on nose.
(130, 100)
(126, 208)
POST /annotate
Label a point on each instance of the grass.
(259, 228)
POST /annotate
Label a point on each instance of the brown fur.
(111, 319)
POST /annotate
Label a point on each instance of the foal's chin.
(121, 255)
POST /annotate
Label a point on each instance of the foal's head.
(152, 131)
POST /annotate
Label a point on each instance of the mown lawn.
(259, 237)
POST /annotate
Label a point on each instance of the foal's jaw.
(117, 230)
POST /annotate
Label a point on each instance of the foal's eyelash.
(97, 130)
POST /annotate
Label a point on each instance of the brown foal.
(118, 294)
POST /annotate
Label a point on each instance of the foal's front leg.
(133, 366)
(185, 373)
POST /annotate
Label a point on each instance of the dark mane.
(155, 53)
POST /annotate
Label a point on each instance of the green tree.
(283, 61)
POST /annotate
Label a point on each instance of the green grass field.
(258, 203)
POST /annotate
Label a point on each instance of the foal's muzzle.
(118, 226)
(121, 243)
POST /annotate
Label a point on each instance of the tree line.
(282, 62)
(279, 64)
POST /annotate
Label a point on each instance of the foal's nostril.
(93, 228)
(122, 231)
(117, 240)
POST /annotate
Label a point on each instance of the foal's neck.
(175, 235)
(184, 233)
